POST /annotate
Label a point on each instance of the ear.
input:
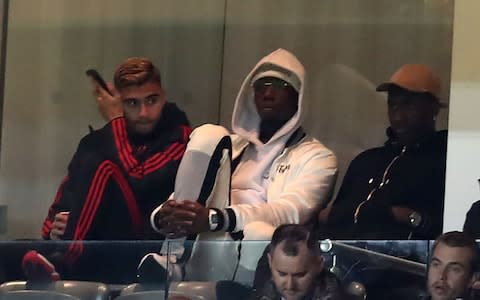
(269, 259)
(163, 94)
(433, 107)
(436, 109)
(320, 263)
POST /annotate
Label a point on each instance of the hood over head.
(245, 119)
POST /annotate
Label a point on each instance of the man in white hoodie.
(280, 174)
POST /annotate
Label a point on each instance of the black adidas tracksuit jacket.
(115, 180)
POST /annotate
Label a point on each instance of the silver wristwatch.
(213, 219)
(415, 219)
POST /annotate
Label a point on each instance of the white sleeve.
(154, 213)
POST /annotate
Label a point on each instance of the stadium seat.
(195, 290)
(83, 290)
(35, 295)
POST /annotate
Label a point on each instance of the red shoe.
(37, 268)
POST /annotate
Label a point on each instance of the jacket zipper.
(382, 183)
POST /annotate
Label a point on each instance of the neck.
(139, 139)
(268, 128)
(408, 141)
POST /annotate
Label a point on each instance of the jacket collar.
(435, 140)
(296, 137)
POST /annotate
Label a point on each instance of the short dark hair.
(292, 235)
(136, 71)
(460, 239)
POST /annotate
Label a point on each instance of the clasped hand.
(181, 218)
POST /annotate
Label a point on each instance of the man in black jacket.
(120, 172)
(397, 191)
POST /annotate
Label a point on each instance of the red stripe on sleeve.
(95, 195)
(117, 136)
(160, 159)
(89, 208)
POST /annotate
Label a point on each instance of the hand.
(58, 226)
(475, 289)
(402, 214)
(372, 213)
(165, 220)
(476, 285)
(191, 217)
(109, 106)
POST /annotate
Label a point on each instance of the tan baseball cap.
(416, 78)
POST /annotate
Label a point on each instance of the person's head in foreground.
(295, 261)
(453, 264)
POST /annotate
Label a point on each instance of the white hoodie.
(274, 182)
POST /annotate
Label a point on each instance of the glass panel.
(383, 269)
(377, 268)
(347, 49)
(204, 51)
(111, 265)
(48, 102)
